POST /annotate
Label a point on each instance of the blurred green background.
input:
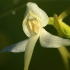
(11, 17)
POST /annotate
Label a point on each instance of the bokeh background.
(11, 17)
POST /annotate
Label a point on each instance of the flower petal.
(29, 50)
(39, 12)
(25, 29)
(16, 48)
(51, 41)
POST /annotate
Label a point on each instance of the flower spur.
(34, 21)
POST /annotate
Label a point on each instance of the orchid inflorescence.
(35, 20)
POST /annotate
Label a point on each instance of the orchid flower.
(63, 31)
(35, 20)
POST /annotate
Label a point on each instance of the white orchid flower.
(33, 23)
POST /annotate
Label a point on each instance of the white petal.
(29, 50)
(51, 41)
(37, 11)
(16, 48)
(25, 29)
